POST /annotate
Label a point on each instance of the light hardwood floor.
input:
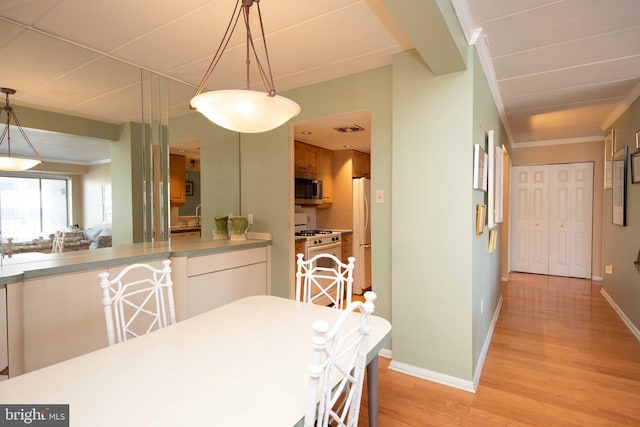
(559, 356)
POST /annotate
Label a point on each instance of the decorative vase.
(238, 227)
(220, 231)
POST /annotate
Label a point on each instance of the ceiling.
(564, 69)
(559, 69)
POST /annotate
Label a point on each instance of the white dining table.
(242, 364)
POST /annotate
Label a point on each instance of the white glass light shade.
(17, 163)
(245, 111)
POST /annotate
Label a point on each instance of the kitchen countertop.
(26, 266)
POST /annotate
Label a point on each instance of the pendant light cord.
(265, 74)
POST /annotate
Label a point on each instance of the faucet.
(198, 215)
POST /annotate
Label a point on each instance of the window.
(31, 207)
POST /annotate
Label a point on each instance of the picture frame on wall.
(481, 217)
(479, 168)
(619, 194)
(609, 146)
(635, 167)
(188, 189)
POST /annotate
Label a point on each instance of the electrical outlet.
(608, 268)
(481, 305)
(250, 219)
(379, 196)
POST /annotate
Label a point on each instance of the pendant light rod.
(245, 111)
(7, 162)
(243, 7)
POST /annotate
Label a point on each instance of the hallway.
(560, 356)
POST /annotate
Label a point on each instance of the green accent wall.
(621, 244)
(441, 269)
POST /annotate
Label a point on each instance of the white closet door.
(539, 220)
(570, 219)
(530, 219)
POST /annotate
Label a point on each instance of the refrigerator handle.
(366, 213)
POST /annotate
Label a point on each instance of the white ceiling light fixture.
(245, 111)
(8, 162)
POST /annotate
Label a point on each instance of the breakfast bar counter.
(34, 264)
(54, 301)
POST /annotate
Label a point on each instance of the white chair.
(339, 350)
(324, 279)
(137, 301)
(58, 243)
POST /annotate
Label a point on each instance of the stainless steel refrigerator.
(362, 234)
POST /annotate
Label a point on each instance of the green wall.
(432, 217)
(486, 283)
(621, 244)
(441, 269)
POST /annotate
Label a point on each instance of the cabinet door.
(209, 291)
(177, 179)
(250, 280)
(325, 168)
(310, 156)
(361, 165)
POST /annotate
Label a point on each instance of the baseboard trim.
(623, 316)
(433, 376)
(385, 352)
(596, 279)
(485, 347)
(448, 380)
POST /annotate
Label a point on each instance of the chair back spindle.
(137, 301)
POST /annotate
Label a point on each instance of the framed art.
(638, 140)
(481, 214)
(492, 240)
(609, 143)
(479, 168)
(188, 191)
(499, 183)
(620, 186)
(491, 171)
(635, 167)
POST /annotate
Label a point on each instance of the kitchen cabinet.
(347, 247)
(177, 179)
(312, 159)
(361, 164)
(306, 157)
(185, 234)
(300, 248)
(216, 280)
(325, 168)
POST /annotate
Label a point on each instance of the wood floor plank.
(559, 356)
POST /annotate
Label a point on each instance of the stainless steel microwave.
(308, 188)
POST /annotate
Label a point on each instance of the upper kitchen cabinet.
(325, 169)
(313, 159)
(177, 179)
(361, 164)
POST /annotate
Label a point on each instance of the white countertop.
(24, 266)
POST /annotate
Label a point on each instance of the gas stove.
(312, 236)
(319, 237)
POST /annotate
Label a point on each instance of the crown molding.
(578, 140)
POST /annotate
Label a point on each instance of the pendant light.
(9, 162)
(245, 111)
